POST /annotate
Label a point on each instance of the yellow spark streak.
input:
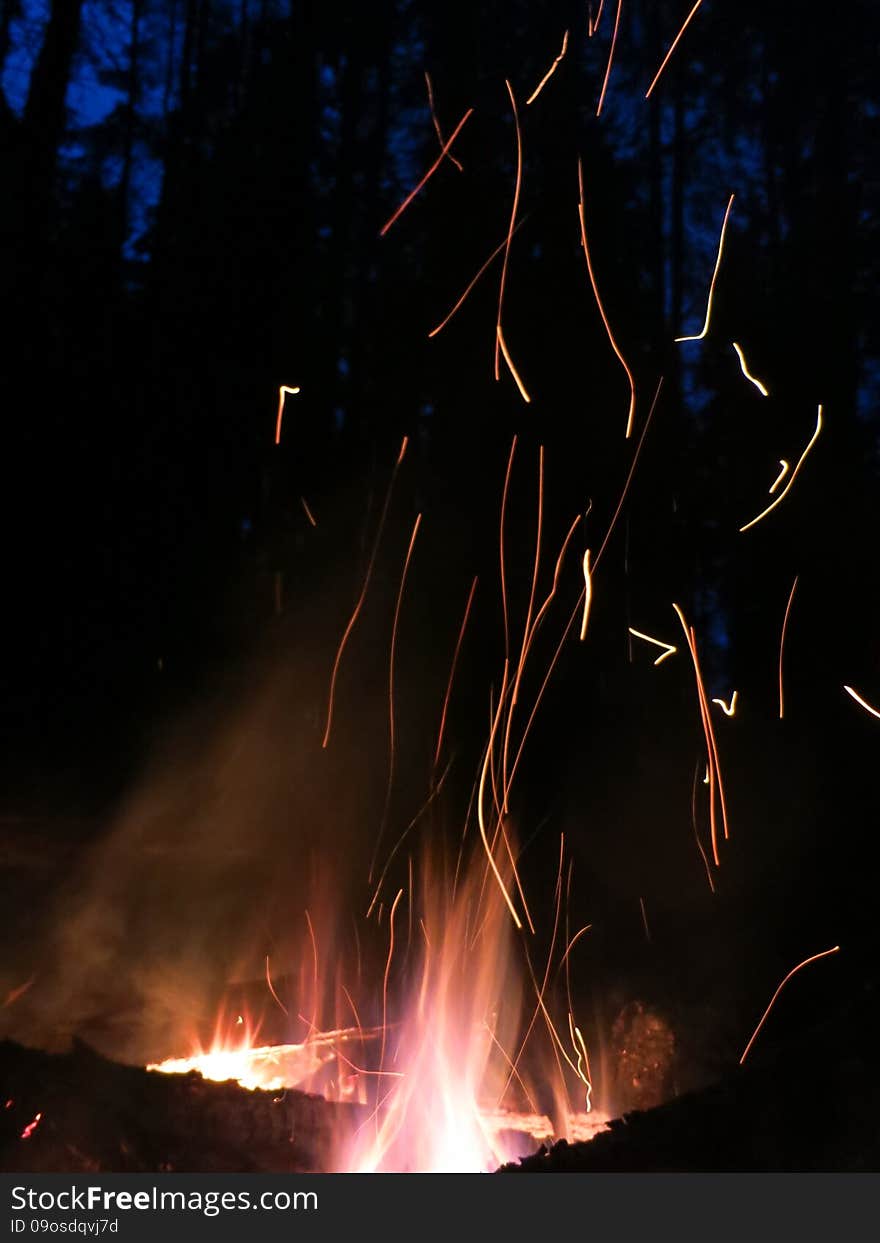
(499, 339)
(669, 648)
(391, 725)
(588, 594)
(705, 328)
(583, 1059)
(360, 601)
(308, 512)
(782, 642)
(672, 48)
(779, 478)
(857, 697)
(782, 495)
(480, 794)
(629, 375)
(550, 72)
(610, 55)
(815, 957)
(282, 390)
(752, 379)
(440, 139)
(729, 709)
(440, 158)
(513, 371)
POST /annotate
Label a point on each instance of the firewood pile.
(810, 1104)
(97, 1115)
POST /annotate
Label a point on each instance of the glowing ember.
(31, 1126)
(267, 1067)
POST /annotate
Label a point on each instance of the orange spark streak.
(696, 830)
(556, 572)
(752, 379)
(534, 629)
(672, 48)
(645, 920)
(610, 55)
(313, 1024)
(701, 334)
(577, 607)
(541, 1008)
(629, 477)
(523, 392)
(501, 1049)
(550, 72)
(284, 388)
(621, 359)
(779, 478)
(308, 512)
(13, 995)
(782, 642)
(857, 697)
(728, 708)
(782, 495)
(31, 1127)
(480, 795)
(437, 123)
(540, 991)
(711, 745)
(535, 569)
(582, 1069)
(492, 763)
(670, 648)
(499, 338)
(467, 613)
(494, 255)
(391, 726)
(588, 594)
(716, 763)
(435, 792)
(815, 957)
(278, 1000)
(412, 194)
(516, 876)
(527, 629)
(360, 600)
(572, 943)
(385, 979)
(501, 548)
